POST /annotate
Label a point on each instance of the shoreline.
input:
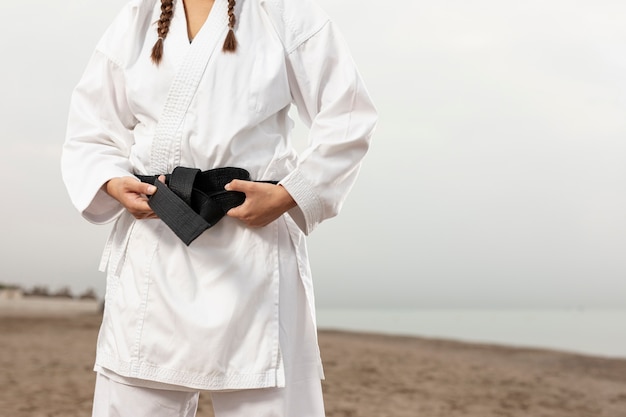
(35, 306)
(47, 362)
(38, 306)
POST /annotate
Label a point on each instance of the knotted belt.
(191, 201)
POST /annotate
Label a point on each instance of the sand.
(46, 370)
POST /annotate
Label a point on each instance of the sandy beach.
(46, 358)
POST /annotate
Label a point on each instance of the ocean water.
(591, 332)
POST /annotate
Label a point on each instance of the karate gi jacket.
(206, 316)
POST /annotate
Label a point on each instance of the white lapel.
(165, 153)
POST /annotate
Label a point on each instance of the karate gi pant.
(298, 399)
(301, 396)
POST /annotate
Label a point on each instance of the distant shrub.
(88, 294)
(39, 291)
(8, 287)
(63, 292)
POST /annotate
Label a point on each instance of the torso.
(220, 324)
(196, 13)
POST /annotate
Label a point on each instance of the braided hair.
(230, 43)
(163, 28)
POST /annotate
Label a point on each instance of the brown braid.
(230, 43)
(167, 11)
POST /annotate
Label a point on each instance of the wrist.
(110, 186)
(286, 200)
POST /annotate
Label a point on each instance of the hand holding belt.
(192, 201)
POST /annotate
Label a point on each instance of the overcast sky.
(497, 176)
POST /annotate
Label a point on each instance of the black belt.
(192, 201)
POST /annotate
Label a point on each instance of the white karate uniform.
(208, 316)
(301, 396)
(119, 400)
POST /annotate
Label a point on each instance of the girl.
(229, 309)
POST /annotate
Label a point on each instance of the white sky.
(497, 176)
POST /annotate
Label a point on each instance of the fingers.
(131, 194)
(139, 206)
(118, 186)
(244, 212)
(141, 187)
(264, 202)
(135, 200)
(248, 216)
(239, 185)
(239, 212)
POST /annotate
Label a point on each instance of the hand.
(264, 202)
(132, 194)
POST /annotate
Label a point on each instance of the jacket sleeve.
(99, 139)
(334, 103)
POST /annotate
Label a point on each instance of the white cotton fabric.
(113, 399)
(207, 316)
(303, 398)
(117, 396)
